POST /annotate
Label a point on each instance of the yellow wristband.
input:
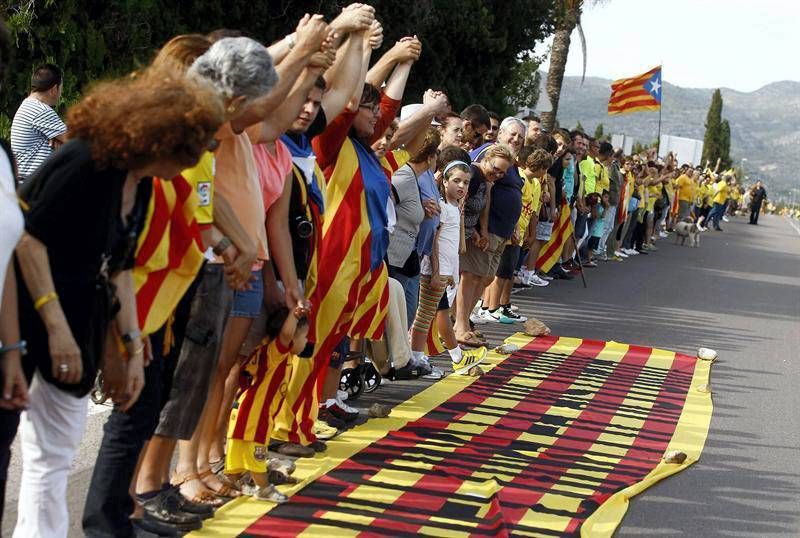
(44, 299)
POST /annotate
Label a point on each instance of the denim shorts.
(247, 304)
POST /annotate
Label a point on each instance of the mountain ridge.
(765, 123)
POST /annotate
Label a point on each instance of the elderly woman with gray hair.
(220, 319)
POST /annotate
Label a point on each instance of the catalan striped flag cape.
(550, 252)
(636, 94)
(169, 253)
(393, 160)
(351, 294)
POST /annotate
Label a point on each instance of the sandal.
(471, 340)
(226, 491)
(206, 496)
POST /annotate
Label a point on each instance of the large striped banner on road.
(551, 441)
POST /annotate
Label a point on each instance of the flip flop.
(471, 340)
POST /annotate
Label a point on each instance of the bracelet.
(220, 247)
(130, 336)
(22, 346)
(290, 41)
(44, 299)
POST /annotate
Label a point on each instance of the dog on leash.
(687, 228)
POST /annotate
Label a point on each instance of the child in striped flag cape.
(263, 391)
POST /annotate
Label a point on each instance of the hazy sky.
(738, 44)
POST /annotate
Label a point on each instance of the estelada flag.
(636, 94)
(550, 253)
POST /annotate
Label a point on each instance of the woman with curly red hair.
(84, 210)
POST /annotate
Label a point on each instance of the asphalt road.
(739, 293)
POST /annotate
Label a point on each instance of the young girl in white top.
(440, 269)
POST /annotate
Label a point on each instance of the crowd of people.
(213, 237)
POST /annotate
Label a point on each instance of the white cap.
(409, 110)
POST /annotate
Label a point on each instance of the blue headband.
(451, 164)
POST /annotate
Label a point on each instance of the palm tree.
(568, 18)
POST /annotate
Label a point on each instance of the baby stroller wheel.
(372, 377)
(352, 382)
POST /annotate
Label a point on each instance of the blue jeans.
(716, 214)
(411, 290)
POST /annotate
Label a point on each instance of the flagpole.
(660, 106)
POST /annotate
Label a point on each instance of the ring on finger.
(63, 367)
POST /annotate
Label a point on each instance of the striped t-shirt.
(34, 125)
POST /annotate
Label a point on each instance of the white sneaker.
(490, 317)
(477, 309)
(725, 218)
(631, 252)
(620, 254)
(477, 318)
(534, 280)
(344, 406)
(662, 234)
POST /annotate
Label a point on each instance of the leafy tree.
(598, 131)
(725, 145)
(712, 141)
(469, 46)
(524, 84)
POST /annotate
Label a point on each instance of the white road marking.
(793, 225)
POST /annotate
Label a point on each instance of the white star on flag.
(655, 86)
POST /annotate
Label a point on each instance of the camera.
(303, 227)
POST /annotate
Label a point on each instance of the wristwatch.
(220, 247)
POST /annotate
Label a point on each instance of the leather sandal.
(204, 497)
(228, 488)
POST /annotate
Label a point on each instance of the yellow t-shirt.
(720, 191)
(589, 176)
(685, 187)
(653, 194)
(201, 178)
(603, 178)
(531, 203)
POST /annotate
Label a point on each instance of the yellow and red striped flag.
(550, 252)
(168, 255)
(636, 94)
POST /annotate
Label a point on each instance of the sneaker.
(327, 417)
(725, 218)
(603, 257)
(506, 312)
(479, 317)
(630, 251)
(337, 411)
(342, 395)
(663, 235)
(534, 280)
(271, 494)
(544, 276)
(616, 258)
(324, 431)
(435, 373)
(643, 251)
(469, 358)
(514, 308)
(164, 508)
(589, 263)
(348, 408)
(620, 253)
(488, 316)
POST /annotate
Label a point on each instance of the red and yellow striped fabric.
(550, 252)
(636, 94)
(169, 253)
(552, 441)
(349, 298)
(394, 159)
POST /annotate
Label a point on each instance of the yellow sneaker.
(469, 358)
(323, 431)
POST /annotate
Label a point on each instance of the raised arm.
(345, 77)
(411, 131)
